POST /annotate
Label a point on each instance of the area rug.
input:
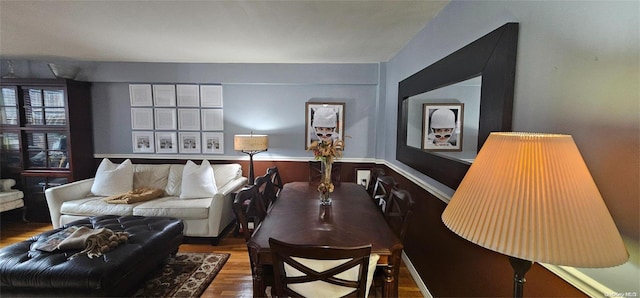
(187, 274)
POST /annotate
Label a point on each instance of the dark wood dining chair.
(342, 271)
(382, 190)
(398, 211)
(276, 180)
(373, 178)
(249, 210)
(315, 172)
(267, 191)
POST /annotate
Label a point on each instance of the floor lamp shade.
(251, 144)
(531, 196)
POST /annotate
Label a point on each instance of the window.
(9, 106)
(44, 107)
(47, 150)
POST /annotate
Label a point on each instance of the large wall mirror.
(473, 88)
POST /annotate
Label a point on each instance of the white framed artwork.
(141, 118)
(189, 142)
(213, 142)
(212, 119)
(165, 119)
(188, 119)
(188, 95)
(211, 96)
(143, 141)
(166, 142)
(164, 95)
(140, 95)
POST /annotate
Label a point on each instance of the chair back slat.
(373, 178)
(398, 211)
(248, 207)
(276, 180)
(295, 266)
(267, 191)
(382, 190)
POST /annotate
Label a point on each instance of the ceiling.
(211, 31)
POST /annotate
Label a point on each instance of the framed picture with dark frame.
(442, 126)
(323, 122)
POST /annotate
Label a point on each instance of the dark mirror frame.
(494, 57)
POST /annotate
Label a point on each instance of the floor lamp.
(251, 144)
(531, 197)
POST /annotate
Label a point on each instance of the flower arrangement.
(326, 153)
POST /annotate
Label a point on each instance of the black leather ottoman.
(26, 271)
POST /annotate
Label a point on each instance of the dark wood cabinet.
(47, 136)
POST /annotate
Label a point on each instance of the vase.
(326, 187)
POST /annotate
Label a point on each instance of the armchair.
(11, 198)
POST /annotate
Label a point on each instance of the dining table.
(352, 219)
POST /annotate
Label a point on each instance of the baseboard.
(416, 277)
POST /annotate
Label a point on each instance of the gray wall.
(577, 73)
(263, 98)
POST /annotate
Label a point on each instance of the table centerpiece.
(326, 152)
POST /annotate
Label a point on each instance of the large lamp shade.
(531, 196)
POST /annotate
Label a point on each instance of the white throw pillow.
(112, 179)
(198, 181)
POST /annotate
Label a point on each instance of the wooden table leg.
(391, 275)
(259, 285)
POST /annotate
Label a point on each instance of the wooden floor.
(234, 280)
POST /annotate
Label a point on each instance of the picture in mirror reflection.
(442, 127)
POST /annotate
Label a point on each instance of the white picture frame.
(211, 96)
(164, 95)
(166, 142)
(189, 142)
(142, 118)
(212, 119)
(143, 142)
(140, 95)
(213, 142)
(188, 119)
(363, 176)
(165, 119)
(188, 95)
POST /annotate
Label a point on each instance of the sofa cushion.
(198, 181)
(95, 206)
(174, 180)
(225, 173)
(174, 207)
(152, 176)
(112, 179)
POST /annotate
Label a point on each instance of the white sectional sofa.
(203, 215)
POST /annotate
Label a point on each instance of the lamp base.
(251, 176)
(520, 268)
